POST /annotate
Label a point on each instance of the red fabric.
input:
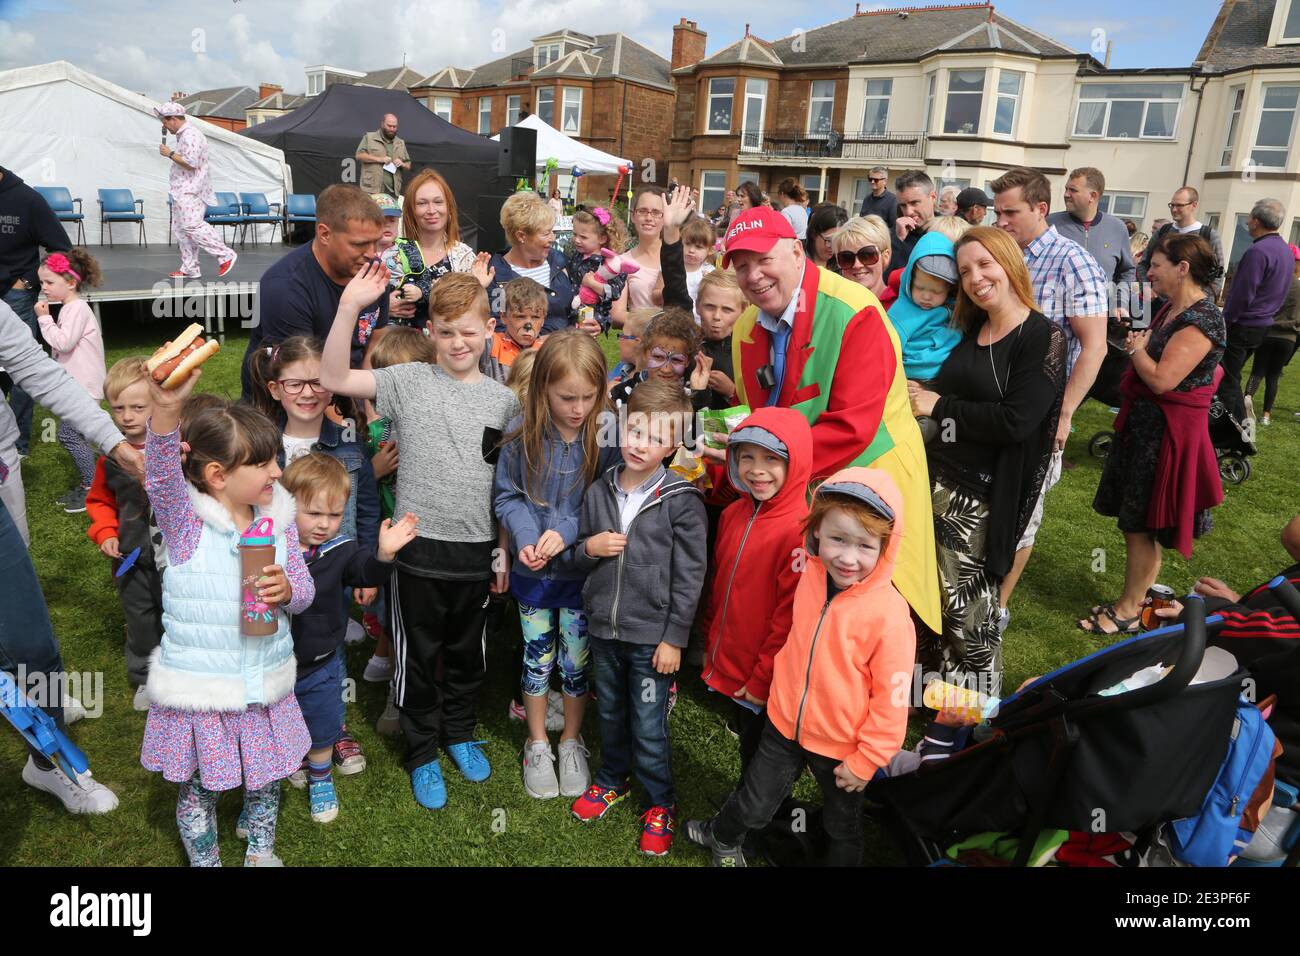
(1092, 849)
(754, 574)
(1187, 473)
(101, 506)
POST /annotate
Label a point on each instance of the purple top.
(180, 526)
(1260, 283)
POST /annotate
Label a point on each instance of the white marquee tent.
(552, 144)
(66, 127)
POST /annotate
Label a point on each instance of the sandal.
(1123, 626)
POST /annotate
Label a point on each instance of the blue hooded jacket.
(924, 334)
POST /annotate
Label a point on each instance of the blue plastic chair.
(257, 211)
(66, 208)
(298, 207)
(118, 205)
(228, 211)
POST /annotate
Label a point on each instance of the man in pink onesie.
(191, 193)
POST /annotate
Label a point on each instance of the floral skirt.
(227, 749)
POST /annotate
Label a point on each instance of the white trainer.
(73, 710)
(539, 770)
(379, 670)
(575, 777)
(87, 795)
(355, 633)
(141, 699)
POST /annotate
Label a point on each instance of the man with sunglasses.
(880, 201)
(822, 345)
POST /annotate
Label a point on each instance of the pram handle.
(1286, 595)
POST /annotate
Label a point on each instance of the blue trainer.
(324, 800)
(470, 760)
(427, 783)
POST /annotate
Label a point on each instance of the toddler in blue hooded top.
(922, 313)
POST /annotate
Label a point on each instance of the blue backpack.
(1213, 836)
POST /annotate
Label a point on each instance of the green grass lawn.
(496, 823)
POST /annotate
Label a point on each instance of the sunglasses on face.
(294, 386)
(867, 255)
(871, 180)
(659, 357)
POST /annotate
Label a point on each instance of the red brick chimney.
(688, 43)
(266, 89)
(177, 97)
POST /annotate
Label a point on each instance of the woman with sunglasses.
(826, 220)
(862, 252)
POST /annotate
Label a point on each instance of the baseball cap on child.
(942, 268)
(387, 205)
(755, 230)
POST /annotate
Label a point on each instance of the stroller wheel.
(1099, 446)
(1233, 468)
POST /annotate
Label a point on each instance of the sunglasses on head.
(660, 357)
(867, 255)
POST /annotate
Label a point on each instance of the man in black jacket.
(26, 224)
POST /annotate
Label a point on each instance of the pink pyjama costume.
(191, 192)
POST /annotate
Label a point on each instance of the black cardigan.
(1008, 437)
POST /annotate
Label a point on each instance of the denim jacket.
(559, 296)
(361, 514)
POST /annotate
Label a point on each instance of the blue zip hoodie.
(555, 505)
(924, 334)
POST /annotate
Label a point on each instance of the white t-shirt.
(295, 448)
(693, 283)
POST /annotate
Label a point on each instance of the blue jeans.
(320, 698)
(23, 301)
(632, 704)
(26, 635)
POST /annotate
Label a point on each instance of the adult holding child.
(529, 223)
(1161, 476)
(999, 391)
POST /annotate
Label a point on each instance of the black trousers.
(770, 776)
(429, 618)
(750, 726)
(1270, 358)
(1242, 343)
(140, 591)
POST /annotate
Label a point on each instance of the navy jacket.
(361, 514)
(337, 564)
(559, 305)
(26, 224)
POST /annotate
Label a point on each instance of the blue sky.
(227, 42)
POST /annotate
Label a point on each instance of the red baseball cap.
(755, 230)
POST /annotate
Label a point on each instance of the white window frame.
(1109, 101)
(1106, 204)
(1000, 95)
(315, 82)
(546, 54)
(813, 101)
(718, 175)
(949, 94)
(759, 94)
(564, 109)
(930, 86)
(512, 109)
(442, 107)
(1282, 35)
(1259, 119)
(815, 190)
(485, 129)
(708, 106)
(747, 176)
(1235, 110)
(868, 97)
(548, 91)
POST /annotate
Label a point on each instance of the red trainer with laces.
(182, 275)
(227, 265)
(658, 824)
(595, 803)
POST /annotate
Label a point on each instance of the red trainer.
(178, 274)
(227, 265)
(657, 830)
(595, 803)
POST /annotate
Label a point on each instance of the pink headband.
(58, 263)
(601, 214)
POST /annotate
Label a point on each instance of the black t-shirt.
(296, 297)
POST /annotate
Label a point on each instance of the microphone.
(163, 142)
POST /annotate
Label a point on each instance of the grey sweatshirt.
(1106, 240)
(649, 594)
(46, 381)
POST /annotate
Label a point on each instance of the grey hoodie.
(648, 594)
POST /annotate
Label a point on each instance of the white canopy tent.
(568, 152)
(66, 127)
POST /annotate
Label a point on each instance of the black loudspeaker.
(491, 237)
(518, 155)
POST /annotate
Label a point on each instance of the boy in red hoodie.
(760, 536)
(838, 699)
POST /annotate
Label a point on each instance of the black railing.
(520, 66)
(835, 144)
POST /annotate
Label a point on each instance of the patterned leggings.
(196, 818)
(540, 626)
(83, 456)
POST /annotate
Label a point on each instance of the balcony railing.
(853, 145)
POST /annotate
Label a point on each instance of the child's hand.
(365, 287)
(365, 596)
(172, 399)
(411, 293)
(109, 548)
(385, 461)
(500, 582)
(399, 307)
(700, 374)
(845, 779)
(590, 325)
(711, 455)
(549, 544)
(1169, 613)
(482, 269)
(394, 537)
(667, 658)
(677, 210)
(744, 694)
(42, 308)
(591, 282)
(719, 382)
(530, 559)
(273, 587)
(607, 544)
(1213, 587)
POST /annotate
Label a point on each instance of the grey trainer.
(575, 777)
(700, 832)
(539, 770)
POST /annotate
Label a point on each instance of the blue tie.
(780, 339)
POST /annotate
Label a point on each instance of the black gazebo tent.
(320, 140)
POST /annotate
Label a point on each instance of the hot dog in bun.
(172, 364)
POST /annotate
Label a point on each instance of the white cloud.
(17, 47)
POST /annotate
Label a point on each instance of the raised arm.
(336, 373)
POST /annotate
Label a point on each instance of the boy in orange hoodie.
(838, 700)
(769, 460)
